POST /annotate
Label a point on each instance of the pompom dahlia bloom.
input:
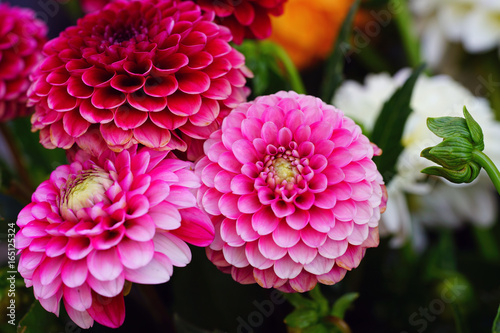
(245, 18)
(434, 201)
(293, 193)
(138, 71)
(99, 224)
(21, 39)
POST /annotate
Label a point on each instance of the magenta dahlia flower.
(142, 72)
(245, 18)
(101, 223)
(293, 192)
(21, 39)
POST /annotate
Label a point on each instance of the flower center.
(284, 170)
(84, 189)
(120, 34)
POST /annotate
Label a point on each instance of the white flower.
(474, 23)
(432, 198)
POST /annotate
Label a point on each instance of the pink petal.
(104, 265)
(108, 311)
(50, 268)
(249, 203)
(359, 234)
(193, 82)
(109, 288)
(341, 230)
(228, 205)
(175, 249)
(284, 236)
(320, 265)
(183, 104)
(210, 201)
(264, 221)
(301, 253)
(351, 258)
(270, 249)
(244, 151)
(165, 216)
(127, 117)
(332, 277)
(326, 199)
(244, 228)
(267, 278)
(333, 249)
(81, 318)
(152, 136)
(79, 298)
(304, 282)
(141, 229)
(321, 220)
(145, 103)
(282, 209)
(241, 184)
(255, 258)
(312, 237)
(344, 210)
(74, 273)
(286, 268)
(135, 254)
(298, 220)
(196, 227)
(158, 270)
(235, 255)
(228, 162)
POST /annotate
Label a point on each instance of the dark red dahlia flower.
(245, 18)
(142, 72)
(21, 39)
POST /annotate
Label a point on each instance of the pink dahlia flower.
(101, 223)
(142, 72)
(21, 39)
(245, 18)
(293, 193)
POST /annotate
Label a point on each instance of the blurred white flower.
(474, 23)
(414, 198)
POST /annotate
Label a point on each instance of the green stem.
(404, 22)
(483, 160)
(293, 73)
(487, 244)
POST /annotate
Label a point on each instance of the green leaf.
(39, 320)
(475, 130)
(302, 318)
(389, 126)
(318, 297)
(299, 301)
(446, 127)
(335, 62)
(496, 323)
(342, 304)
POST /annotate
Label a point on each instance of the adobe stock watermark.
(420, 319)
(363, 37)
(11, 273)
(264, 309)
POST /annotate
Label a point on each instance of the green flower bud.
(461, 138)
(465, 175)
